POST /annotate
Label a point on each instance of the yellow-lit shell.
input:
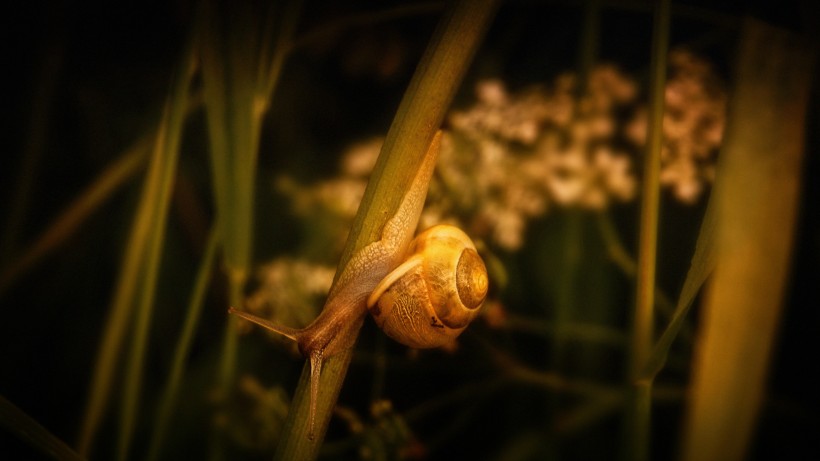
(431, 298)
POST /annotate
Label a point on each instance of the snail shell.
(431, 298)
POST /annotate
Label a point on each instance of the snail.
(435, 293)
(422, 293)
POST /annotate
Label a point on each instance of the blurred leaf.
(169, 396)
(239, 74)
(703, 263)
(70, 220)
(637, 421)
(133, 296)
(756, 205)
(29, 430)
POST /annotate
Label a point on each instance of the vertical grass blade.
(138, 274)
(282, 26)
(758, 193)
(240, 71)
(228, 41)
(29, 430)
(162, 172)
(590, 38)
(169, 395)
(638, 417)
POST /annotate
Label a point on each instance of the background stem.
(636, 444)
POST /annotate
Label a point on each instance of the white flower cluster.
(511, 157)
(694, 117)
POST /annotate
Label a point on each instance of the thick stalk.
(418, 118)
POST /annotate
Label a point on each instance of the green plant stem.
(228, 95)
(169, 396)
(627, 264)
(162, 173)
(115, 328)
(17, 422)
(703, 263)
(240, 73)
(590, 37)
(636, 444)
(570, 254)
(137, 276)
(270, 66)
(418, 118)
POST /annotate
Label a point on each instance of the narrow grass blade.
(637, 434)
(162, 174)
(227, 41)
(703, 263)
(240, 70)
(141, 249)
(758, 187)
(282, 24)
(26, 428)
(169, 395)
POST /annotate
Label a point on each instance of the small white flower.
(492, 92)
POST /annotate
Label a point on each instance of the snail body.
(422, 293)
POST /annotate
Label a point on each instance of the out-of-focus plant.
(512, 157)
(694, 116)
(254, 416)
(757, 199)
